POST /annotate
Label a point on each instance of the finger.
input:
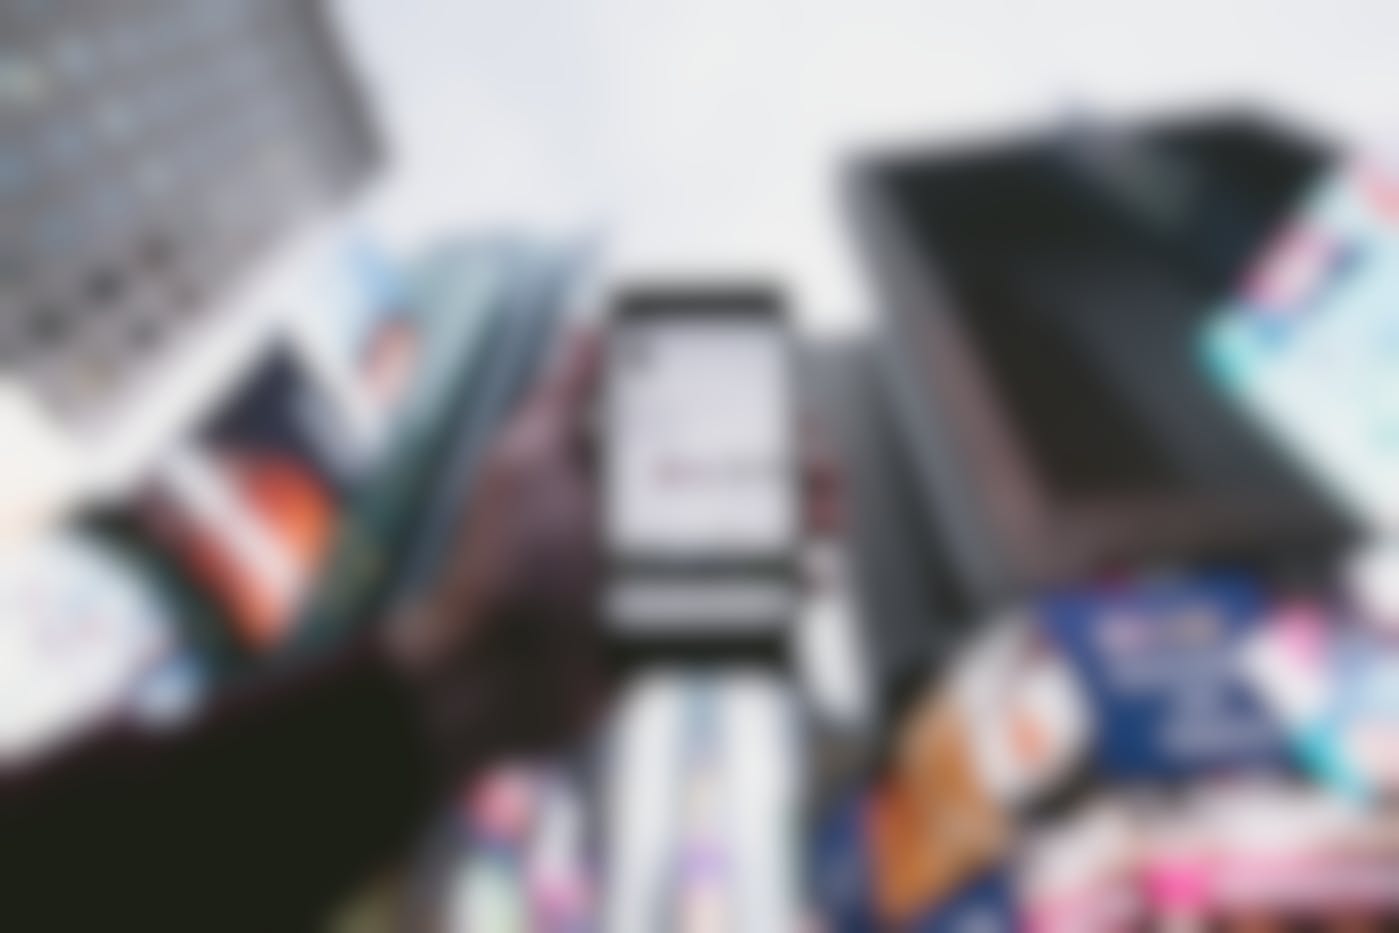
(823, 496)
(822, 481)
(568, 387)
(563, 403)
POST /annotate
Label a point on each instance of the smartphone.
(700, 510)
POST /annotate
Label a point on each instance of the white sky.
(707, 134)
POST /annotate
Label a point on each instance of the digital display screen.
(1310, 345)
(700, 458)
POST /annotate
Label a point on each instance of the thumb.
(569, 386)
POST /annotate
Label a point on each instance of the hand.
(504, 653)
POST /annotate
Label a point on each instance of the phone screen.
(701, 465)
(700, 513)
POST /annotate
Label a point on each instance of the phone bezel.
(652, 303)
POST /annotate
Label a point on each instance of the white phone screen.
(700, 459)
